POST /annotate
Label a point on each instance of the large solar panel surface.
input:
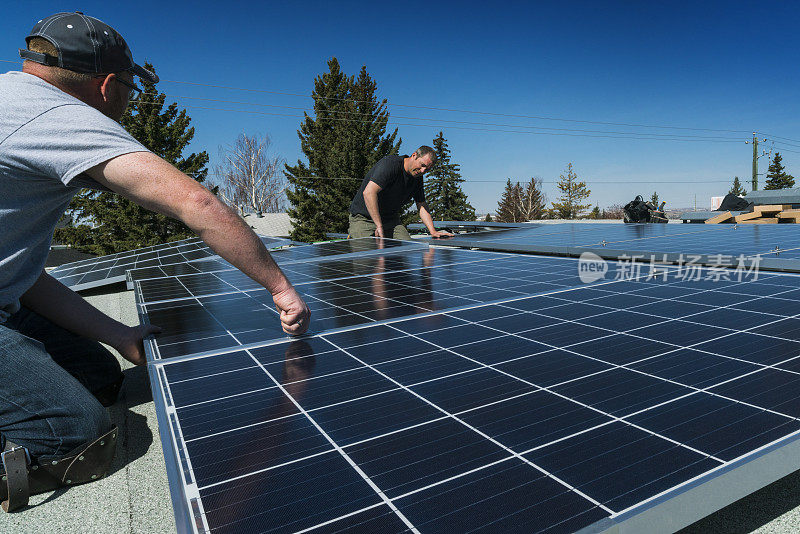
(582, 407)
(294, 254)
(110, 269)
(776, 246)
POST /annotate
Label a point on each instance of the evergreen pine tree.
(443, 194)
(107, 222)
(572, 193)
(488, 218)
(344, 139)
(654, 199)
(595, 213)
(777, 178)
(737, 188)
(508, 209)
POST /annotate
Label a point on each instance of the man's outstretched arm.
(427, 220)
(156, 185)
(371, 202)
(52, 300)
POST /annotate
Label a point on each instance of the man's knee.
(401, 232)
(360, 226)
(82, 423)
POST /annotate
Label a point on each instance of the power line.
(452, 110)
(355, 114)
(616, 182)
(537, 117)
(394, 123)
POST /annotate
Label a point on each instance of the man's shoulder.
(26, 98)
(389, 164)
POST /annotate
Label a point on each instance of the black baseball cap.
(84, 44)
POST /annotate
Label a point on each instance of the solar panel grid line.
(561, 319)
(300, 284)
(281, 262)
(347, 458)
(422, 313)
(668, 319)
(755, 452)
(483, 434)
(296, 284)
(126, 253)
(114, 268)
(549, 390)
(476, 303)
(612, 309)
(565, 241)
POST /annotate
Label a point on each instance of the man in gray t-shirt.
(59, 133)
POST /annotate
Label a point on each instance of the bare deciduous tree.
(532, 200)
(250, 177)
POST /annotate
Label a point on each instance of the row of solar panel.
(437, 394)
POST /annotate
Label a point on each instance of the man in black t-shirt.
(375, 210)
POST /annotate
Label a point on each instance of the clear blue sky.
(716, 65)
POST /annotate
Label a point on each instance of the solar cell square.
(628, 465)
(532, 420)
(552, 367)
(511, 496)
(621, 392)
(770, 389)
(268, 500)
(470, 390)
(414, 458)
(719, 427)
(371, 417)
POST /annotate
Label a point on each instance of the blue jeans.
(47, 379)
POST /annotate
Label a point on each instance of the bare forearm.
(427, 220)
(230, 237)
(371, 201)
(62, 306)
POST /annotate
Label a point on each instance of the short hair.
(425, 150)
(67, 77)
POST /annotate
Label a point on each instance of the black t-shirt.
(397, 187)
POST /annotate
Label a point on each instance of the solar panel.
(110, 269)
(467, 225)
(714, 245)
(295, 254)
(641, 404)
(207, 311)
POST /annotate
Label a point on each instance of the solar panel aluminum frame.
(698, 498)
(787, 265)
(185, 506)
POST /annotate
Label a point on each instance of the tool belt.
(23, 476)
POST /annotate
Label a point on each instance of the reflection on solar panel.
(467, 225)
(437, 395)
(282, 257)
(715, 245)
(110, 269)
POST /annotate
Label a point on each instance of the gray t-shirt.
(47, 139)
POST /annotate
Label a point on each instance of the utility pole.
(755, 158)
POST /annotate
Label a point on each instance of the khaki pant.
(361, 226)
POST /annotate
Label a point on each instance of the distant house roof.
(270, 224)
